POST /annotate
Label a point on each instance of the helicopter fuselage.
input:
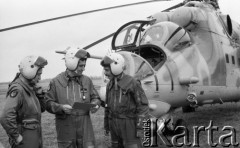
(186, 57)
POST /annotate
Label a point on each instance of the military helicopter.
(185, 56)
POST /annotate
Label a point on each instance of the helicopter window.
(153, 54)
(233, 60)
(142, 68)
(127, 35)
(153, 34)
(227, 59)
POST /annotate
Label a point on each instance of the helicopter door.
(140, 69)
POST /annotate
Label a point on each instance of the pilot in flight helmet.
(72, 57)
(29, 66)
(115, 61)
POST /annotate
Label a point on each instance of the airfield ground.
(221, 115)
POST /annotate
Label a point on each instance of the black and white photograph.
(119, 73)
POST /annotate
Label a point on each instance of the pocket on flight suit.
(31, 136)
(65, 129)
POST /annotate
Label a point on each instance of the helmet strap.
(28, 81)
(115, 83)
(116, 78)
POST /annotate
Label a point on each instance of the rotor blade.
(76, 14)
(88, 46)
(98, 41)
(110, 35)
(174, 7)
(91, 56)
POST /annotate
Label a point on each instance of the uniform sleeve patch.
(14, 93)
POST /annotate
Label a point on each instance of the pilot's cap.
(72, 57)
(115, 61)
(29, 66)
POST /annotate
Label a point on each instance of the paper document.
(83, 106)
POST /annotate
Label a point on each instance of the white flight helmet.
(115, 61)
(29, 66)
(72, 57)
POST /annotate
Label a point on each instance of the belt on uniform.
(30, 123)
(121, 116)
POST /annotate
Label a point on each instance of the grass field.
(221, 115)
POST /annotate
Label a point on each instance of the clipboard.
(83, 106)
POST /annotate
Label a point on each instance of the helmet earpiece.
(115, 61)
(73, 56)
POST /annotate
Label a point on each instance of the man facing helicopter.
(126, 104)
(21, 116)
(74, 126)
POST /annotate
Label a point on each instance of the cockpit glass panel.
(127, 35)
(142, 68)
(153, 34)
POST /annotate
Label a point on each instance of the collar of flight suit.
(64, 78)
(23, 82)
(123, 82)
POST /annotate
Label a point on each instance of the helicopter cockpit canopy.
(128, 35)
(169, 34)
(148, 41)
(137, 33)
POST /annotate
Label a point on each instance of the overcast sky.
(44, 39)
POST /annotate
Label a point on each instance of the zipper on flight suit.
(120, 95)
(79, 91)
(67, 92)
(115, 97)
(74, 96)
(35, 105)
(73, 91)
(33, 101)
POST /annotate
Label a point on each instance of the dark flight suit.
(22, 115)
(74, 130)
(126, 104)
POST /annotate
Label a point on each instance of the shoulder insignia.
(13, 93)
